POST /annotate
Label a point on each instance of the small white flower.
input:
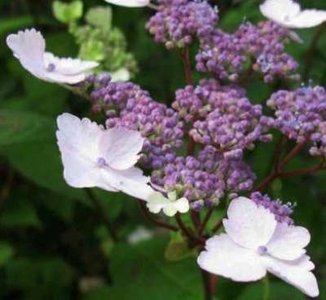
(255, 243)
(29, 48)
(289, 14)
(170, 205)
(104, 158)
(120, 75)
(129, 3)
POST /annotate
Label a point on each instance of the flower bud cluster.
(222, 117)
(127, 105)
(251, 48)
(301, 116)
(206, 178)
(281, 211)
(178, 22)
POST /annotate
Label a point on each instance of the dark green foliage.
(52, 237)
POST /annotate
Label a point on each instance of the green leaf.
(19, 213)
(142, 271)
(67, 12)
(40, 278)
(100, 16)
(6, 252)
(41, 163)
(9, 25)
(278, 290)
(19, 126)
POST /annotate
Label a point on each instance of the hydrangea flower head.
(96, 157)
(29, 48)
(289, 14)
(255, 243)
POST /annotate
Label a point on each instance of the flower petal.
(68, 66)
(28, 47)
(182, 205)
(249, 225)
(120, 147)
(225, 258)
(288, 241)
(130, 181)
(308, 18)
(80, 136)
(129, 3)
(157, 202)
(296, 273)
(77, 140)
(279, 10)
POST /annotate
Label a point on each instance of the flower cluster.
(251, 48)
(300, 115)
(204, 179)
(177, 22)
(222, 117)
(127, 105)
(264, 43)
(281, 211)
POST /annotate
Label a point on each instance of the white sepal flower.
(129, 3)
(255, 243)
(29, 48)
(289, 14)
(96, 157)
(120, 75)
(170, 206)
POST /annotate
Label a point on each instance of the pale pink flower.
(255, 243)
(29, 48)
(96, 157)
(288, 13)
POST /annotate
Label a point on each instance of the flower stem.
(266, 291)
(157, 222)
(187, 65)
(209, 284)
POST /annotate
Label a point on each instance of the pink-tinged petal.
(120, 147)
(279, 11)
(129, 3)
(308, 18)
(79, 135)
(296, 273)
(225, 258)
(77, 140)
(81, 173)
(288, 242)
(131, 182)
(68, 66)
(28, 47)
(249, 225)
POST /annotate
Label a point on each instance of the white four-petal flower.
(170, 206)
(255, 243)
(96, 157)
(289, 14)
(129, 3)
(29, 48)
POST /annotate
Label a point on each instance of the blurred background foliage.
(54, 242)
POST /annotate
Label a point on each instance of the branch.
(192, 238)
(150, 218)
(187, 65)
